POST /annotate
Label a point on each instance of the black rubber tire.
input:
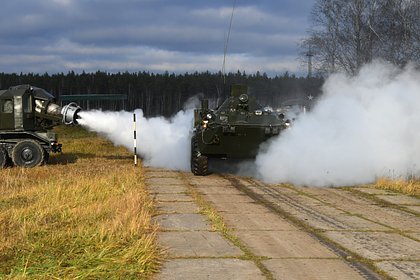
(199, 163)
(28, 153)
(3, 158)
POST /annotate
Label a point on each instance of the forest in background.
(347, 34)
(165, 94)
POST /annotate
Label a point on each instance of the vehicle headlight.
(243, 98)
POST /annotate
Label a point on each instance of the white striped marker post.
(135, 140)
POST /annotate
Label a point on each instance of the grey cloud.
(62, 35)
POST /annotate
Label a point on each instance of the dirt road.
(228, 227)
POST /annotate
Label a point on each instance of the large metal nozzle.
(69, 113)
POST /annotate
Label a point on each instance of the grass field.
(410, 187)
(85, 215)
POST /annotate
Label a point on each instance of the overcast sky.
(151, 35)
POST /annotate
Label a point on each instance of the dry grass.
(410, 187)
(86, 215)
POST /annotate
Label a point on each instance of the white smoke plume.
(363, 127)
(161, 142)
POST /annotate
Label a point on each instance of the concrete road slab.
(282, 190)
(400, 199)
(372, 190)
(413, 208)
(335, 196)
(197, 244)
(256, 189)
(352, 222)
(324, 217)
(284, 244)
(401, 270)
(219, 190)
(180, 197)
(348, 202)
(161, 181)
(264, 221)
(415, 235)
(209, 181)
(177, 207)
(210, 269)
(313, 190)
(167, 189)
(237, 208)
(393, 218)
(359, 223)
(378, 245)
(341, 222)
(161, 173)
(311, 269)
(228, 198)
(182, 222)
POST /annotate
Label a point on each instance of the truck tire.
(199, 163)
(28, 153)
(3, 158)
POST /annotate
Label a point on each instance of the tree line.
(346, 34)
(166, 93)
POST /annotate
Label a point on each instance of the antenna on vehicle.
(226, 43)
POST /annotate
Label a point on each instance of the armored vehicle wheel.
(28, 153)
(3, 157)
(199, 163)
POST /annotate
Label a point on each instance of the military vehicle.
(234, 130)
(26, 115)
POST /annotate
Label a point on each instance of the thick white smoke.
(363, 127)
(161, 142)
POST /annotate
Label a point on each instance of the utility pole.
(309, 54)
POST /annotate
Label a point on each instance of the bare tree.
(347, 34)
(400, 28)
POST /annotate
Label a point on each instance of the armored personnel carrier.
(26, 116)
(234, 130)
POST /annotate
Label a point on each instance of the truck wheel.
(28, 153)
(3, 158)
(199, 163)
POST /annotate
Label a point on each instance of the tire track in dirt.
(370, 236)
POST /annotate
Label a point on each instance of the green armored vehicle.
(26, 115)
(234, 130)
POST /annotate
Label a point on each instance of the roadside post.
(135, 139)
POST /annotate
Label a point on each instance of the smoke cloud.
(363, 127)
(160, 142)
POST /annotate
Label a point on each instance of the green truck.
(26, 116)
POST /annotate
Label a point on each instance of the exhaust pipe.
(70, 113)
